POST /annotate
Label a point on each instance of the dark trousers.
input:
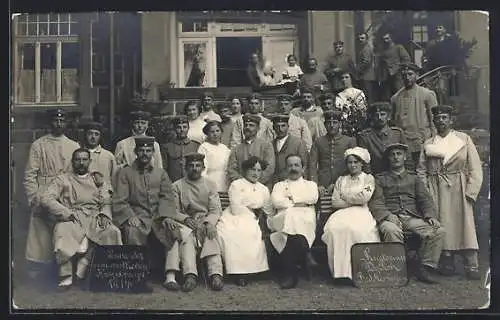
(294, 254)
(391, 85)
(370, 88)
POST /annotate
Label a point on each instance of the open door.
(275, 49)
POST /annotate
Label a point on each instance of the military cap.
(284, 97)
(207, 94)
(442, 109)
(178, 119)
(400, 146)
(92, 125)
(338, 42)
(306, 89)
(56, 113)
(409, 66)
(251, 118)
(332, 115)
(144, 142)
(194, 156)
(254, 96)
(380, 106)
(326, 96)
(275, 118)
(140, 115)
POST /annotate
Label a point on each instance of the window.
(420, 34)
(53, 24)
(47, 59)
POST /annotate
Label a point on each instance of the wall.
(476, 24)
(156, 62)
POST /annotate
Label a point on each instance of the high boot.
(289, 267)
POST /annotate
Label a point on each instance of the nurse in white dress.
(216, 156)
(352, 222)
(243, 249)
(196, 122)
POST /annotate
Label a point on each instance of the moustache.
(294, 171)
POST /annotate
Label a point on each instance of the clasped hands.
(207, 229)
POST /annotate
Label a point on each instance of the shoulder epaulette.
(396, 128)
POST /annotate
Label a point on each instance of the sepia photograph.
(265, 161)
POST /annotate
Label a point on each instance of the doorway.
(233, 56)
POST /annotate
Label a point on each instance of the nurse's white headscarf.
(362, 153)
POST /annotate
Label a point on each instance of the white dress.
(240, 237)
(351, 224)
(216, 159)
(291, 220)
(195, 132)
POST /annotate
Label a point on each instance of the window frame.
(37, 41)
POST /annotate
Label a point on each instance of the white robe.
(216, 159)
(291, 220)
(352, 223)
(240, 237)
(125, 154)
(195, 132)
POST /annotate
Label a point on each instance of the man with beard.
(125, 149)
(80, 203)
(366, 67)
(412, 110)
(337, 63)
(379, 136)
(197, 211)
(265, 132)
(49, 156)
(173, 152)
(326, 161)
(144, 200)
(451, 168)
(102, 160)
(293, 227)
(313, 78)
(393, 55)
(207, 104)
(297, 126)
(284, 145)
(435, 54)
(251, 146)
(308, 108)
(401, 202)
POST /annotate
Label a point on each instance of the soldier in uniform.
(173, 152)
(286, 144)
(125, 149)
(336, 64)
(49, 157)
(297, 126)
(144, 200)
(376, 138)
(326, 161)
(402, 202)
(102, 160)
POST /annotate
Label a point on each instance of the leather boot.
(290, 279)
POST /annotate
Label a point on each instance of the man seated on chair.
(144, 200)
(80, 202)
(293, 227)
(401, 203)
(198, 210)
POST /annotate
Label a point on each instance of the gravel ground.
(265, 295)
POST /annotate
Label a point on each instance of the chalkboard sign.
(379, 265)
(119, 268)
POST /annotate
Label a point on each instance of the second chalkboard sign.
(119, 268)
(379, 265)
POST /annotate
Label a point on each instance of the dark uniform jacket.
(326, 161)
(173, 153)
(345, 62)
(403, 194)
(376, 142)
(292, 145)
(392, 58)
